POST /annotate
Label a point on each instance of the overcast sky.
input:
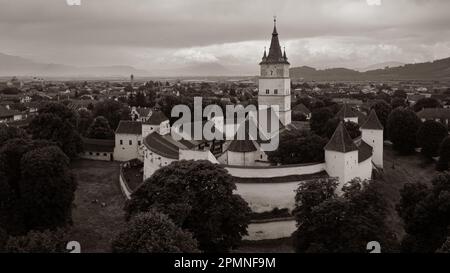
(164, 34)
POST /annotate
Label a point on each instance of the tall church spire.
(275, 54)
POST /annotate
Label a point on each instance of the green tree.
(298, 146)
(319, 118)
(425, 214)
(198, 197)
(402, 127)
(430, 136)
(48, 241)
(341, 224)
(153, 232)
(113, 111)
(100, 129)
(57, 123)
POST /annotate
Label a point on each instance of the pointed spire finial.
(274, 25)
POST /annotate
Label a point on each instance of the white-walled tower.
(341, 156)
(372, 134)
(274, 81)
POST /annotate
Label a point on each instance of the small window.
(121, 142)
(90, 153)
(105, 154)
(275, 91)
(131, 142)
(267, 91)
(139, 143)
(151, 128)
(98, 154)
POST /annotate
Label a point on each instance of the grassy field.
(399, 170)
(95, 224)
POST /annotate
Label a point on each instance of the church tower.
(274, 81)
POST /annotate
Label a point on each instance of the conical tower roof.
(372, 123)
(341, 141)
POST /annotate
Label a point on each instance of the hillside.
(437, 70)
(18, 66)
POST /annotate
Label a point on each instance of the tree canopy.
(153, 232)
(319, 118)
(85, 120)
(328, 223)
(100, 129)
(430, 136)
(297, 147)
(198, 197)
(426, 103)
(113, 111)
(425, 212)
(402, 127)
(48, 241)
(36, 187)
(57, 123)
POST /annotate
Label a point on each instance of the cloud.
(374, 2)
(168, 33)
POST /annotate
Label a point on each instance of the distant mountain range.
(437, 70)
(380, 66)
(18, 66)
(199, 69)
